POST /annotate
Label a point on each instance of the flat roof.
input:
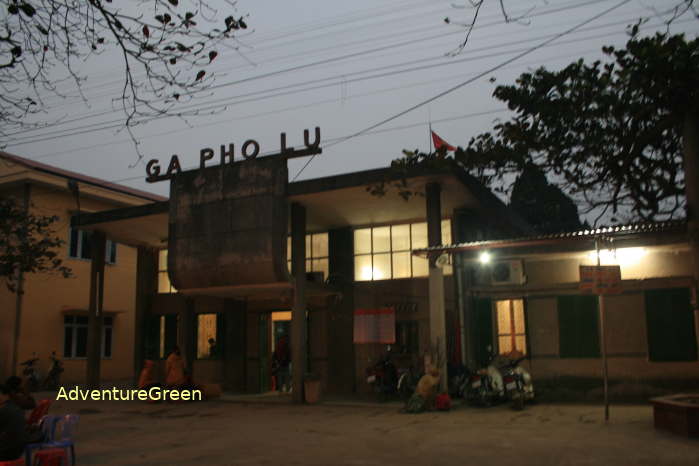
(331, 202)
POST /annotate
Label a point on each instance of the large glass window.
(164, 285)
(81, 246)
(578, 326)
(382, 253)
(316, 253)
(75, 337)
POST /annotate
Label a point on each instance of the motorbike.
(383, 376)
(31, 374)
(502, 379)
(517, 383)
(407, 382)
(53, 378)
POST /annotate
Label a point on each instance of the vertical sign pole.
(603, 338)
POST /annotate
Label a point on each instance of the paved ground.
(252, 433)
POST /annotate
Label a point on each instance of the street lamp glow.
(484, 257)
(622, 256)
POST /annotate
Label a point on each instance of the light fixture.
(484, 257)
(623, 256)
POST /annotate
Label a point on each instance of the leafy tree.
(165, 47)
(610, 134)
(544, 206)
(27, 244)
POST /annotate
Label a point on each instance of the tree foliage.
(164, 46)
(27, 244)
(610, 134)
(544, 206)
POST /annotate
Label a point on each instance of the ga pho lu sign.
(249, 151)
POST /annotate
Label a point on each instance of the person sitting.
(175, 370)
(13, 428)
(18, 394)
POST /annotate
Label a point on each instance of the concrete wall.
(627, 341)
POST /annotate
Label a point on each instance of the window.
(75, 337)
(382, 253)
(80, 246)
(407, 337)
(578, 328)
(670, 323)
(316, 253)
(511, 329)
(209, 333)
(164, 285)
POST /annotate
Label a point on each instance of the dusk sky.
(343, 66)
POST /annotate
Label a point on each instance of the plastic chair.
(42, 408)
(48, 426)
(51, 457)
(18, 462)
(63, 435)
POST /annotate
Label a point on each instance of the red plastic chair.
(42, 407)
(18, 462)
(51, 457)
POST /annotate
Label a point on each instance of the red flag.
(439, 142)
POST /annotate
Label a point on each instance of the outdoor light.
(623, 256)
(484, 257)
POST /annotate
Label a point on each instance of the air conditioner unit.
(507, 273)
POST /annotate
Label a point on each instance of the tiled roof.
(80, 177)
(617, 231)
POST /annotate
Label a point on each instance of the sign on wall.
(375, 325)
(600, 279)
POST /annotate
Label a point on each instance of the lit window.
(164, 285)
(511, 333)
(316, 253)
(382, 253)
(81, 246)
(207, 337)
(75, 337)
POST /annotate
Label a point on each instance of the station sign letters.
(249, 150)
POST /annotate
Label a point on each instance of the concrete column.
(234, 346)
(96, 311)
(187, 334)
(438, 340)
(298, 312)
(146, 287)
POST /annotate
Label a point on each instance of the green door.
(483, 326)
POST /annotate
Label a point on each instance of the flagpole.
(429, 119)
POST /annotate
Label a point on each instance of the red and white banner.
(375, 325)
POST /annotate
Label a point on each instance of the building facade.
(51, 314)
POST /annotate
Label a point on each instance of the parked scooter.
(53, 378)
(31, 374)
(503, 379)
(383, 376)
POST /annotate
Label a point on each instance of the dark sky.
(356, 64)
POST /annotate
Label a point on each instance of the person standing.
(282, 362)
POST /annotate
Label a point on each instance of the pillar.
(95, 312)
(298, 311)
(436, 281)
(146, 287)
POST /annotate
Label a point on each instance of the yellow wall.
(47, 296)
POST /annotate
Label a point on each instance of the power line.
(221, 105)
(322, 62)
(468, 81)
